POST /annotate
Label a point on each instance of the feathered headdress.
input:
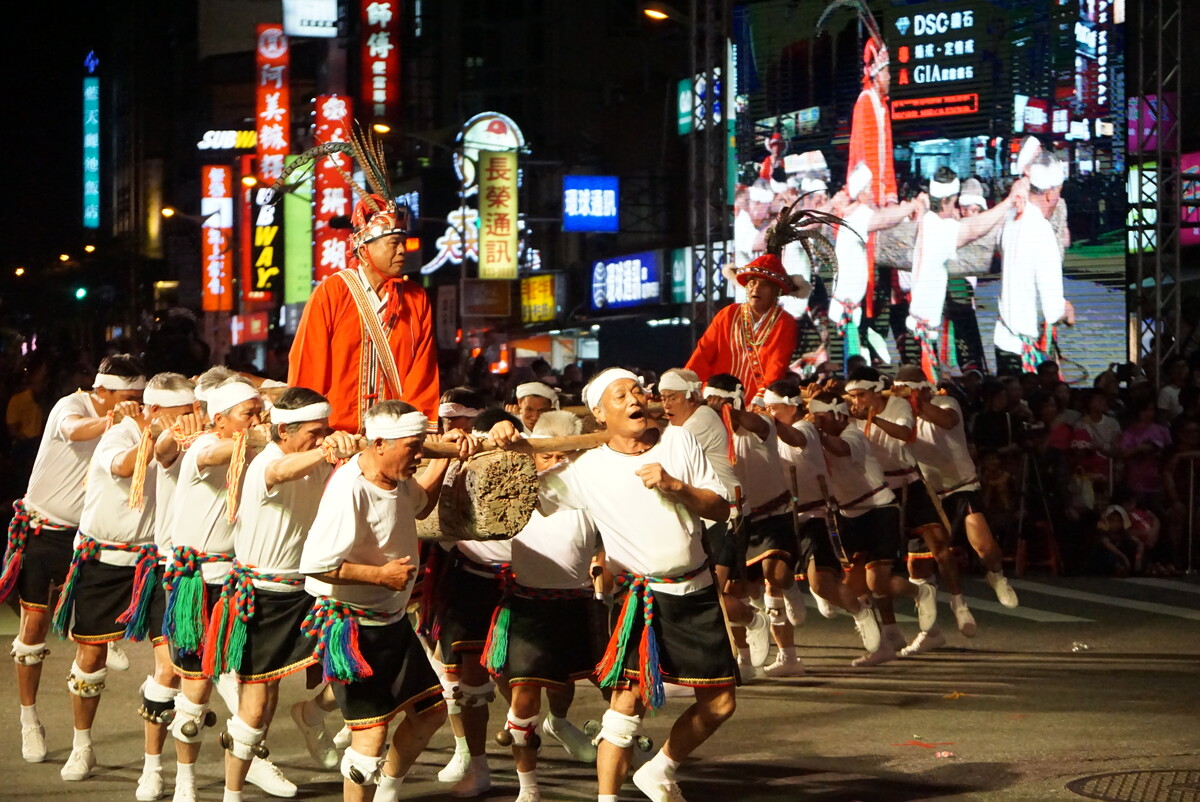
(875, 54)
(793, 224)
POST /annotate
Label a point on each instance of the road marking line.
(1027, 613)
(1111, 601)
(1166, 584)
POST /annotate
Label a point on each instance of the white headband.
(673, 382)
(595, 390)
(859, 180)
(863, 384)
(228, 396)
(168, 398)
(1030, 148)
(812, 185)
(537, 388)
(921, 385)
(1047, 176)
(775, 398)
(839, 407)
(310, 412)
(758, 401)
(734, 395)
(393, 427)
(761, 194)
(111, 382)
(972, 199)
(448, 409)
(937, 189)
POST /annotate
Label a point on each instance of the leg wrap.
(618, 729)
(477, 695)
(522, 731)
(776, 610)
(243, 741)
(85, 684)
(361, 769)
(190, 720)
(452, 693)
(28, 654)
(158, 702)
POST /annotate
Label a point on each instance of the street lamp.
(168, 211)
(20, 271)
(89, 248)
(661, 11)
(381, 128)
(63, 257)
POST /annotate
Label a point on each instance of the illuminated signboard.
(272, 110)
(91, 152)
(216, 207)
(538, 301)
(381, 58)
(937, 59)
(632, 280)
(268, 250)
(332, 196)
(481, 298)
(498, 236)
(251, 328)
(315, 18)
(298, 233)
(228, 140)
(1189, 232)
(590, 202)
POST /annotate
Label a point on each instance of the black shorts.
(158, 607)
(959, 505)
(191, 666)
(466, 615)
(401, 677)
(275, 642)
(732, 551)
(45, 564)
(102, 593)
(815, 547)
(874, 535)
(715, 535)
(693, 645)
(770, 538)
(918, 507)
(550, 642)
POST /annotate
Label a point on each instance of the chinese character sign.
(590, 202)
(381, 58)
(537, 299)
(497, 214)
(332, 196)
(298, 238)
(627, 281)
(216, 237)
(273, 108)
(91, 152)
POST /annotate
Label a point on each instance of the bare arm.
(291, 467)
(791, 435)
(972, 228)
(394, 575)
(903, 433)
(890, 216)
(78, 428)
(835, 445)
(942, 417)
(751, 422)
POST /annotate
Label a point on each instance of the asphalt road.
(1089, 678)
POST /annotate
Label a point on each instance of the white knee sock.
(82, 738)
(29, 716)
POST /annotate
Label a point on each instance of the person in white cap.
(359, 561)
(1031, 284)
(1031, 150)
(939, 236)
(46, 520)
(204, 511)
(109, 591)
(651, 480)
(973, 260)
(534, 398)
(263, 598)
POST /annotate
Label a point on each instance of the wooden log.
(489, 497)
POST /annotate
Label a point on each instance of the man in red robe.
(339, 349)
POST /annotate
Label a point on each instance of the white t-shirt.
(555, 551)
(937, 246)
(1168, 401)
(758, 467)
(893, 454)
(809, 463)
(272, 524)
(943, 454)
(1031, 279)
(850, 285)
(643, 531)
(856, 480)
(709, 430)
(360, 522)
(199, 517)
(56, 483)
(166, 480)
(106, 513)
(487, 552)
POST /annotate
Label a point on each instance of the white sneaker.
(868, 629)
(964, 619)
(1004, 592)
(456, 769)
(883, 654)
(657, 787)
(150, 785)
(783, 667)
(342, 739)
(184, 791)
(746, 671)
(475, 783)
(758, 638)
(33, 743)
(578, 745)
(529, 795)
(117, 659)
(924, 642)
(267, 776)
(320, 747)
(793, 606)
(926, 606)
(79, 765)
(823, 606)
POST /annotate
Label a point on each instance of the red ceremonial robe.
(326, 354)
(871, 142)
(722, 350)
